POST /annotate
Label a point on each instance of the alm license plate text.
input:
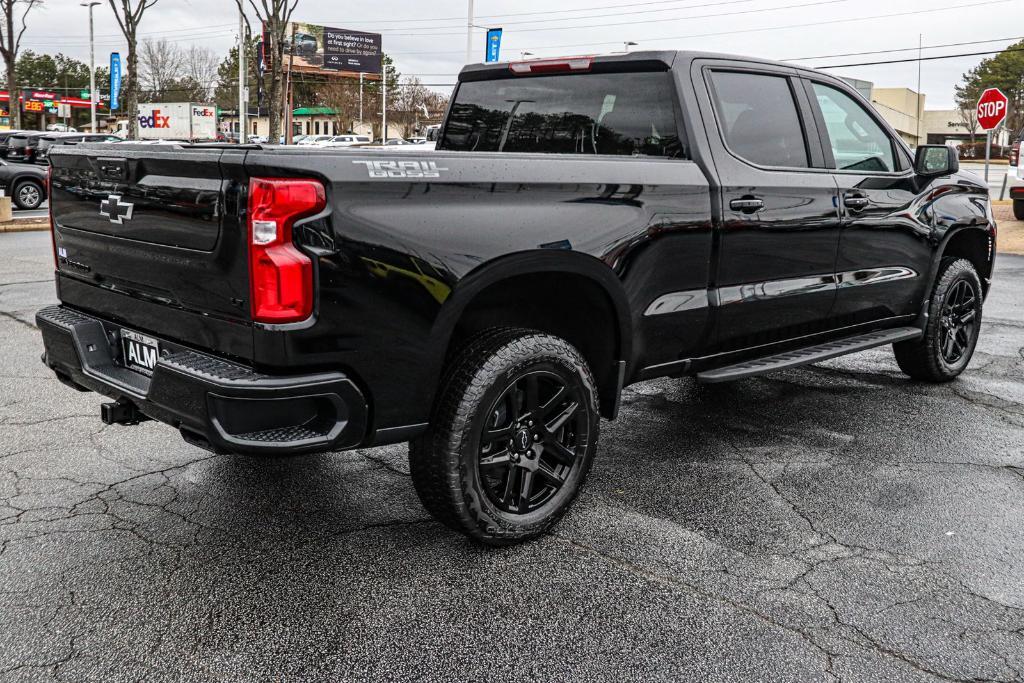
(140, 351)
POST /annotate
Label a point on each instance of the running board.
(810, 354)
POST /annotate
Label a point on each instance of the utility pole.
(243, 99)
(919, 112)
(469, 34)
(361, 74)
(384, 105)
(92, 67)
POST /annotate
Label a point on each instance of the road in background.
(833, 522)
(996, 173)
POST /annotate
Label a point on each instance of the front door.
(779, 228)
(884, 256)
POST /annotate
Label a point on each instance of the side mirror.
(933, 160)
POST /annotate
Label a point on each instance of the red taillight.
(550, 66)
(1015, 154)
(281, 276)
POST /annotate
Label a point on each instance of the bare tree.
(10, 43)
(161, 62)
(129, 16)
(275, 16)
(342, 96)
(201, 66)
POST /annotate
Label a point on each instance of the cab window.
(759, 119)
(858, 143)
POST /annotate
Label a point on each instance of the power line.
(923, 59)
(903, 49)
(825, 22)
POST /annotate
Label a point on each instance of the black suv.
(584, 224)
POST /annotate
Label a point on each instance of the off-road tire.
(21, 202)
(444, 462)
(923, 358)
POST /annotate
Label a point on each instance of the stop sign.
(991, 108)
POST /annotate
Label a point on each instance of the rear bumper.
(216, 404)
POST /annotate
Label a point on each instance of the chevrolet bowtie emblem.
(115, 210)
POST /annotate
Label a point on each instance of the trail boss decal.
(402, 169)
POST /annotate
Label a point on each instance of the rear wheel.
(1018, 209)
(28, 194)
(954, 322)
(512, 437)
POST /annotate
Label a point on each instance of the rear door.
(884, 256)
(152, 234)
(779, 229)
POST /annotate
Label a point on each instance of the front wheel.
(28, 194)
(1018, 209)
(954, 323)
(512, 437)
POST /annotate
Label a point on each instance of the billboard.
(310, 47)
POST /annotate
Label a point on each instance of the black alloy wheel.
(536, 435)
(512, 436)
(952, 329)
(959, 315)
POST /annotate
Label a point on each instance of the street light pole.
(92, 67)
(243, 99)
(469, 34)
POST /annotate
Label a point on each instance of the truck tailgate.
(151, 234)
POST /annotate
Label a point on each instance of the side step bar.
(810, 354)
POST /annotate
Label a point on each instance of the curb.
(26, 225)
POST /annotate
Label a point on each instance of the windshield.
(18, 141)
(618, 113)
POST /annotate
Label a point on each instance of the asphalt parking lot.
(835, 522)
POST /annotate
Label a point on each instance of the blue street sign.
(493, 45)
(115, 79)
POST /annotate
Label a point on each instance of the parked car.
(416, 140)
(314, 140)
(24, 183)
(585, 223)
(4, 137)
(21, 147)
(391, 142)
(1015, 180)
(346, 141)
(48, 141)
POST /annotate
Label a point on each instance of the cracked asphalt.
(830, 523)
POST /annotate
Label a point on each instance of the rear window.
(624, 114)
(17, 141)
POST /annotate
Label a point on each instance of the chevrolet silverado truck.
(584, 224)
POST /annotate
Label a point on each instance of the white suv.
(347, 141)
(1015, 180)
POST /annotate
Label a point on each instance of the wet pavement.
(834, 522)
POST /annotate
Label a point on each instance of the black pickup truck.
(584, 224)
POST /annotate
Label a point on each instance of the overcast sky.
(428, 37)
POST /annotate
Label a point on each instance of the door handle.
(856, 202)
(746, 204)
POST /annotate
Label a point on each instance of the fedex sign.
(155, 120)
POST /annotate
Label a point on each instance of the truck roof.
(649, 60)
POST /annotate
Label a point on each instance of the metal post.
(384, 107)
(361, 74)
(469, 34)
(919, 112)
(988, 151)
(243, 100)
(92, 67)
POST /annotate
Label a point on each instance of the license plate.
(140, 351)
